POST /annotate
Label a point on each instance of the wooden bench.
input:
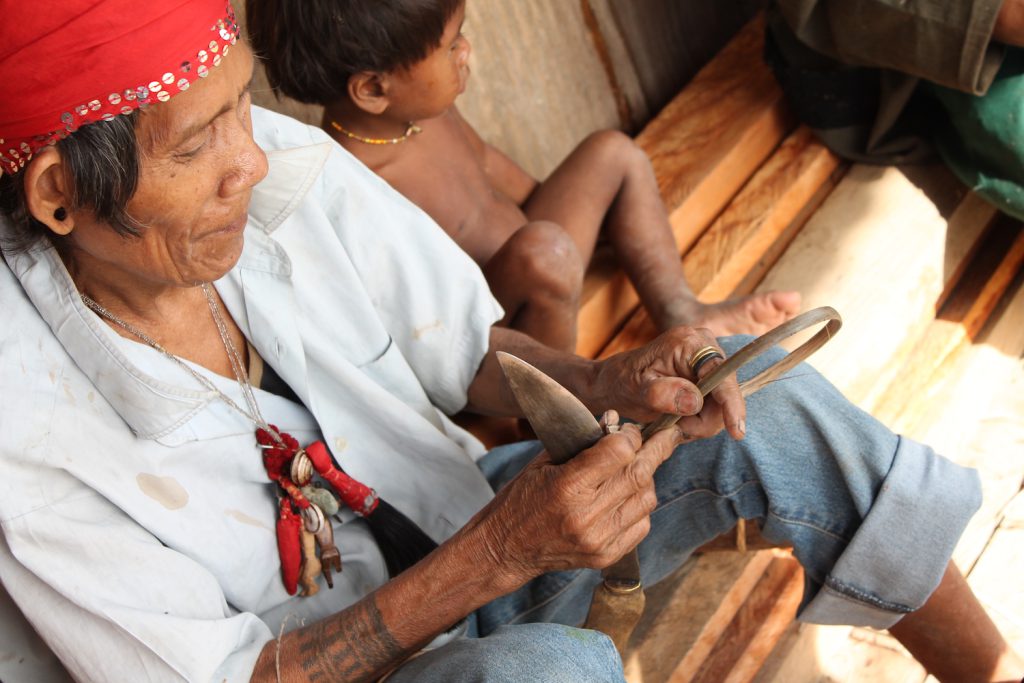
(757, 203)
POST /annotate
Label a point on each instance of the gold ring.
(702, 356)
(623, 586)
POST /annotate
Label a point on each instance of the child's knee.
(548, 259)
(616, 147)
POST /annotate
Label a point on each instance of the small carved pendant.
(330, 558)
(310, 565)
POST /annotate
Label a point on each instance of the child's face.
(429, 87)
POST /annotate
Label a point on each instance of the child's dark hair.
(313, 47)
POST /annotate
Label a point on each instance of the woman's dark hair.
(313, 47)
(102, 170)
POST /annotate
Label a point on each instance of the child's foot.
(754, 314)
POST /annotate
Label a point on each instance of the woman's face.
(198, 165)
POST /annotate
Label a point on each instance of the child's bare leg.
(537, 276)
(954, 638)
(608, 181)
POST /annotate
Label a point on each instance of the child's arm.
(505, 175)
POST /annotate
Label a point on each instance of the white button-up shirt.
(138, 520)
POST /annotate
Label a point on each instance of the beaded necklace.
(410, 130)
(288, 465)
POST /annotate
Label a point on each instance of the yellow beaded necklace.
(411, 130)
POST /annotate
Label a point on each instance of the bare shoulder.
(438, 170)
(441, 171)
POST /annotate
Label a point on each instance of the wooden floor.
(929, 281)
(971, 408)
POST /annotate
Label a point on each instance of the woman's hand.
(656, 378)
(587, 512)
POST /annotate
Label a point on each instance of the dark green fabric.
(982, 138)
(943, 41)
(851, 68)
(893, 81)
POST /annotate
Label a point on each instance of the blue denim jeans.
(872, 517)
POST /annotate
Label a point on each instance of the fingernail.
(688, 403)
(682, 435)
(741, 427)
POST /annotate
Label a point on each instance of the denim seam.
(847, 591)
(809, 525)
(773, 513)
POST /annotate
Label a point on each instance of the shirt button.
(340, 444)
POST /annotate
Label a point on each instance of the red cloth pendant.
(359, 498)
(289, 546)
(280, 452)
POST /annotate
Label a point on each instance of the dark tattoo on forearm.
(358, 647)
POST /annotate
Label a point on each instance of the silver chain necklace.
(237, 366)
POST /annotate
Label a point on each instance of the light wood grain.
(739, 245)
(759, 215)
(715, 134)
(970, 405)
(997, 577)
(875, 252)
(687, 616)
(755, 629)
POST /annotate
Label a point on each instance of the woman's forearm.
(364, 641)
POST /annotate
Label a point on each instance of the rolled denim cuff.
(900, 552)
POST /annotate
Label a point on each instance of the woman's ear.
(369, 91)
(46, 192)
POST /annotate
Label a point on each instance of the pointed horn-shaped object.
(565, 427)
(562, 423)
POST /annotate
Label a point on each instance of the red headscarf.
(66, 63)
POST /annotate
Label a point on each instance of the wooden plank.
(874, 251)
(743, 242)
(960, 322)
(996, 579)
(754, 630)
(703, 147)
(973, 407)
(634, 108)
(971, 219)
(813, 654)
(763, 210)
(760, 214)
(714, 135)
(976, 417)
(687, 614)
(1000, 262)
(853, 222)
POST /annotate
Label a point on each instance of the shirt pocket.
(391, 372)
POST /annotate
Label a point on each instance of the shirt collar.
(154, 405)
(291, 174)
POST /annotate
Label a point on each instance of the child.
(388, 73)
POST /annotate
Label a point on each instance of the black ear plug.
(60, 214)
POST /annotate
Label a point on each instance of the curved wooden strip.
(825, 314)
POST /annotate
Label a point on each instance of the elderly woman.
(184, 311)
